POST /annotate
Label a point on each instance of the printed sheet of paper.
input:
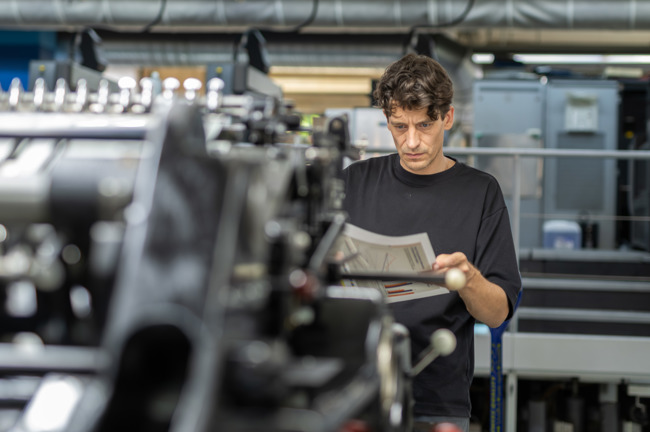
(372, 252)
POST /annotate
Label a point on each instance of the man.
(419, 189)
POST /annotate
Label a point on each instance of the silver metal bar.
(46, 359)
(587, 255)
(511, 381)
(516, 204)
(512, 395)
(588, 357)
(585, 284)
(319, 257)
(54, 125)
(538, 152)
(421, 278)
(589, 315)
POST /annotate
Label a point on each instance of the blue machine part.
(18, 48)
(496, 374)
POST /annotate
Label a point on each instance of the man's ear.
(449, 118)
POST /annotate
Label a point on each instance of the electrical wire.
(157, 19)
(310, 19)
(293, 30)
(459, 19)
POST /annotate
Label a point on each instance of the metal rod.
(538, 152)
(585, 284)
(428, 279)
(88, 126)
(51, 359)
(327, 243)
(511, 394)
(586, 315)
(516, 204)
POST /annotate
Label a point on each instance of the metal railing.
(518, 153)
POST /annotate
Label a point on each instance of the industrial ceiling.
(338, 32)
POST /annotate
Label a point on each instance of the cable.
(459, 19)
(261, 31)
(310, 19)
(157, 19)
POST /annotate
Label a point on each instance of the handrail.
(517, 153)
(532, 152)
(546, 152)
(586, 284)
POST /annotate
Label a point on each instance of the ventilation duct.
(202, 15)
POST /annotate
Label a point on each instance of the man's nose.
(412, 139)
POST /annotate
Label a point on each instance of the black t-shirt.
(462, 210)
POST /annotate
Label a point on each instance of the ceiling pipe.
(216, 15)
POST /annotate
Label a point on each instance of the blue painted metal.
(496, 374)
(18, 48)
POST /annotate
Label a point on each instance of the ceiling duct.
(342, 15)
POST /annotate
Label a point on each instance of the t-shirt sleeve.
(495, 251)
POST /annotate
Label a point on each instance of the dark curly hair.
(415, 82)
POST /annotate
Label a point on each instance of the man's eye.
(425, 125)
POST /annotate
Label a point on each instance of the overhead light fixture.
(558, 58)
(619, 59)
(627, 59)
(483, 58)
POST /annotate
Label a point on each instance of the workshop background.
(552, 97)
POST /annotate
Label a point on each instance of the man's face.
(419, 139)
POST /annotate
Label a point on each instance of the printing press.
(167, 263)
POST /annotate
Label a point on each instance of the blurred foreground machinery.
(164, 267)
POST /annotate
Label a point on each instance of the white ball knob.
(443, 341)
(455, 279)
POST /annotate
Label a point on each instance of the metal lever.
(443, 343)
(453, 279)
(39, 93)
(215, 94)
(127, 86)
(147, 93)
(60, 94)
(81, 98)
(15, 94)
(103, 95)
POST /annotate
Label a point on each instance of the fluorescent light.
(558, 58)
(627, 59)
(582, 58)
(483, 58)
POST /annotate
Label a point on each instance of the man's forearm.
(484, 300)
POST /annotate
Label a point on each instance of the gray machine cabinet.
(582, 114)
(510, 113)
